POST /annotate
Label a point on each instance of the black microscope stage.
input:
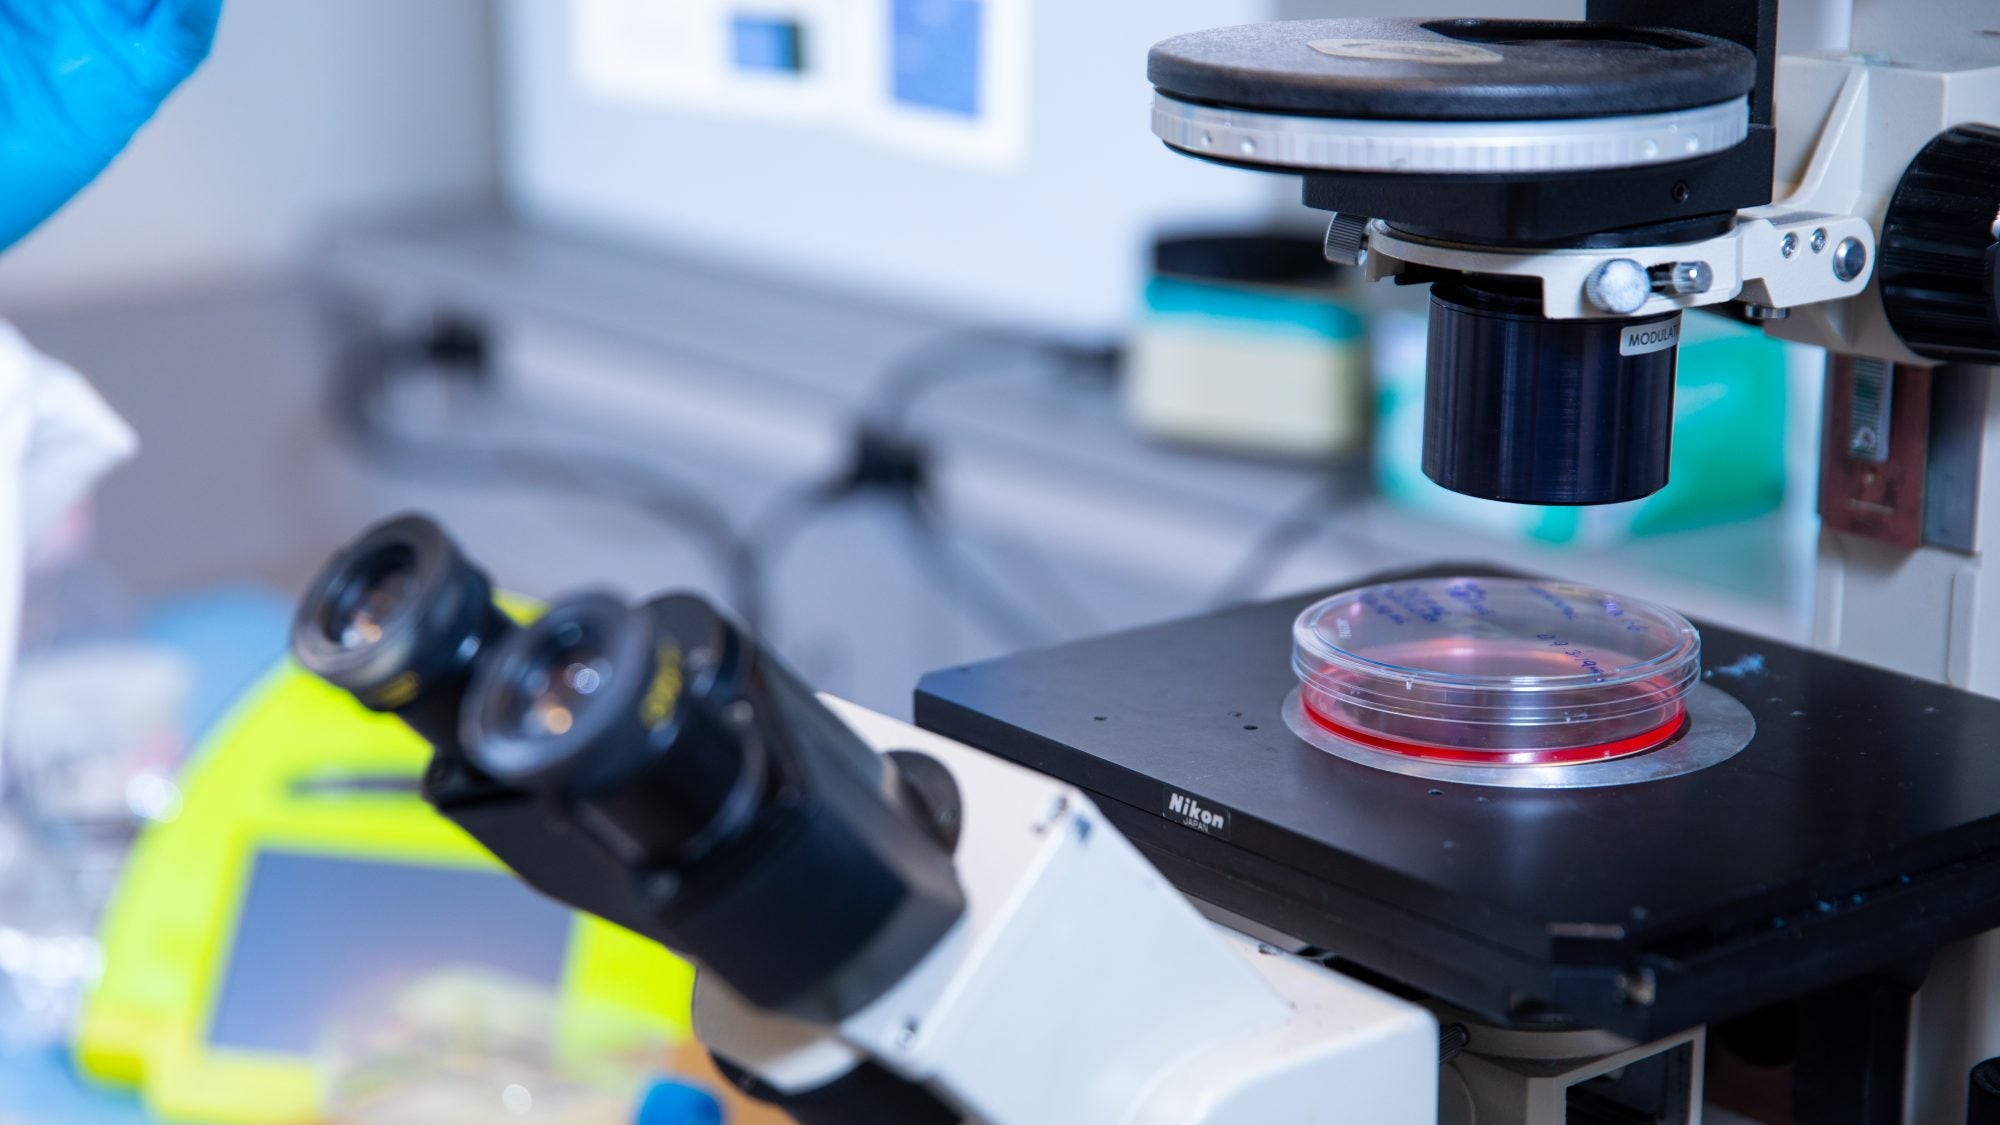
(1860, 828)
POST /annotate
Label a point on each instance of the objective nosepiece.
(1528, 410)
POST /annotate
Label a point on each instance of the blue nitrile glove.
(672, 1102)
(77, 79)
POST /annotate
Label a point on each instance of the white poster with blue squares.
(943, 79)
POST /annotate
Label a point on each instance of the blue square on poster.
(764, 43)
(935, 54)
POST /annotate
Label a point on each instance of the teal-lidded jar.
(1244, 342)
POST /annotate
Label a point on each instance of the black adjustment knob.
(1983, 1102)
(1940, 248)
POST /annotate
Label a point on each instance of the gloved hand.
(671, 1102)
(77, 79)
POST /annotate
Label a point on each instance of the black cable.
(888, 458)
(918, 373)
(771, 533)
(1280, 542)
(1052, 590)
(930, 366)
(941, 359)
(1009, 621)
(373, 362)
(895, 473)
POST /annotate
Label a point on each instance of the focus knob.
(1940, 248)
(1983, 1100)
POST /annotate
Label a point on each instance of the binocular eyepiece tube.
(398, 618)
(648, 763)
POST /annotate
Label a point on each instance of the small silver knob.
(1347, 240)
(1849, 259)
(1683, 279)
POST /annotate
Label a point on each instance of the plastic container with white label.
(1496, 671)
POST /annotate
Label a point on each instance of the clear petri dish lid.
(1496, 670)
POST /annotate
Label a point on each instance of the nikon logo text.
(1185, 810)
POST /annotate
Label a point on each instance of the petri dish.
(1496, 671)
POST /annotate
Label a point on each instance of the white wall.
(1055, 236)
(1511, 9)
(308, 109)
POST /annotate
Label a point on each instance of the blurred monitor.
(989, 157)
(318, 934)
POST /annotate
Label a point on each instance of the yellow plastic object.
(269, 781)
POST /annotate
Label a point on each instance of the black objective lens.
(1529, 410)
(398, 618)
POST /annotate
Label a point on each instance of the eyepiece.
(556, 691)
(599, 702)
(566, 676)
(397, 618)
(355, 614)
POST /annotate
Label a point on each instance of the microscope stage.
(1860, 827)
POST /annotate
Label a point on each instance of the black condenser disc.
(1451, 69)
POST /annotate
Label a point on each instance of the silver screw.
(1818, 239)
(1764, 312)
(1790, 245)
(1619, 286)
(1685, 279)
(1849, 259)
(1640, 988)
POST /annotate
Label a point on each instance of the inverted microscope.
(1453, 845)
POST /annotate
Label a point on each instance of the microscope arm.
(1080, 987)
